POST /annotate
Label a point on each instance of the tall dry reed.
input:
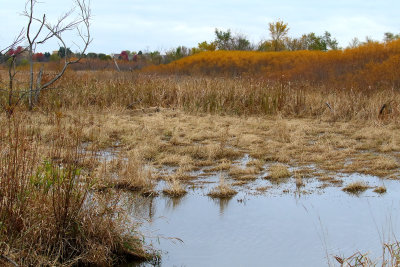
(221, 95)
(48, 214)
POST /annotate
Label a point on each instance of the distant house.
(125, 55)
(25, 54)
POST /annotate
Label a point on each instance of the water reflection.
(173, 202)
(310, 222)
(222, 203)
(139, 206)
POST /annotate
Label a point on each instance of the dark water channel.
(283, 226)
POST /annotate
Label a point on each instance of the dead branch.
(45, 32)
(329, 106)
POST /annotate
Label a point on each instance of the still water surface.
(284, 226)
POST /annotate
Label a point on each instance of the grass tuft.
(299, 182)
(380, 190)
(133, 175)
(278, 171)
(223, 190)
(356, 187)
(174, 189)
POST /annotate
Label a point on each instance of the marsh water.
(280, 225)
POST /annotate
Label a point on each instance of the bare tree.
(33, 38)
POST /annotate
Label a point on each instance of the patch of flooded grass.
(243, 174)
(223, 190)
(356, 187)
(278, 171)
(390, 257)
(299, 182)
(263, 189)
(174, 189)
(380, 190)
(224, 165)
(192, 150)
(256, 163)
(240, 183)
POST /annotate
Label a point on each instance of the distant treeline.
(279, 41)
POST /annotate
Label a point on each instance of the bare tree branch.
(85, 18)
(49, 31)
(19, 39)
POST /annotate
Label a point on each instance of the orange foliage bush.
(373, 65)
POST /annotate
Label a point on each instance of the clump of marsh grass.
(244, 174)
(281, 131)
(356, 187)
(176, 160)
(380, 190)
(256, 163)
(223, 190)
(182, 173)
(222, 152)
(174, 189)
(132, 174)
(385, 163)
(222, 166)
(241, 182)
(357, 259)
(390, 257)
(299, 181)
(325, 178)
(278, 171)
(263, 189)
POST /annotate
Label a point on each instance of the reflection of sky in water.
(272, 229)
(285, 226)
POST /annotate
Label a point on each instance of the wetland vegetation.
(79, 157)
(274, 134)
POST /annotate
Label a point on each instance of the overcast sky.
(160, 24)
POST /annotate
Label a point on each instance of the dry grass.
(278, 171)
(306, 172)
(331, 180)
(197, 122)
(132, 174)
(326, 178)
(44, 191)
(105, 89)
(244, 174)
(263, 189)
(256, 163)
(299, 181)
(175, 160)
(390, 257)
(181, 173)
(241, 182)
(385, 163)
(224, 165)
(174, 189)
(380, 190)
(327, 145)
(223, 190)
(356, 187)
